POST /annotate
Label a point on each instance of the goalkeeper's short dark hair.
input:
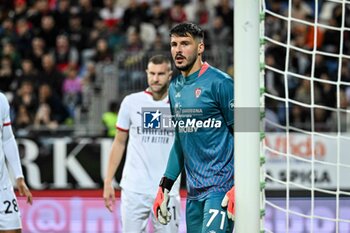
(188, 29)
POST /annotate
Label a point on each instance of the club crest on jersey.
(197, 92)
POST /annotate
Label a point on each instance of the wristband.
(166, 183)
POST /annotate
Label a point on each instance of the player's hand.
(229, 202)
(160, 206)
(109, 196)
(23, 190)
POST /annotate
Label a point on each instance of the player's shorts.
(10, 217)
(207, 216)
(137, 208)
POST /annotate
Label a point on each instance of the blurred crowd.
(49, 49)
(317, 61)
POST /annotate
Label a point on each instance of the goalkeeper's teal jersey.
(202, 107)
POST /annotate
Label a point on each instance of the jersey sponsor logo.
(192, 123)
(197, 92)
(151, 119)
(185, 120)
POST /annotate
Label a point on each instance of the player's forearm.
(115, 156)
(11, 152)
(175, 162)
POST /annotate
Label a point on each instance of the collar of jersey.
(166, 98)
(191, 78)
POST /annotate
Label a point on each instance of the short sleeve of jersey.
(123, 121)
(225, 97)
(5, 110)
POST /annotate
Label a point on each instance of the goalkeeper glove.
(229, 202)
(160, 206)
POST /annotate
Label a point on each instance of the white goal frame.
(247, 96)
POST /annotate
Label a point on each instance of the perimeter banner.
(80, 163)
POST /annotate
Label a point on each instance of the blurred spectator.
(111, 13)
(98, 31)
(331, 40)
(76, 33)
(27, 73)
(25, 101)
(7, 74)
(274, 81)
(19, 11)
(320, 66)
(66, 56)
(340, 115)
(38, 49)
(298, 117)
(51, 75)
(9, 51)
(225, 10)
(177, 13)
(44, 118)
(310, 35)
(320, 119)
(133, 15)
(62, 14)
(50, 107)
(116, 39)
(88, 85)
(271, 117)
(199, 12)
(345, 70)
(220, 37)
(48, 31)
(23, 118)
(300, 9)
(35, 13)
(338, 13)
(87, 13)
(131, 59)
(102, 52)
(276, 27)
(7, 30)
(72, 89)
(157, 15)
(24, 36)
(328, 91)
(303, 93)
(109, 119)
(159, 46)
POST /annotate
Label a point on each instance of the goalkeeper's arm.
(173, 170)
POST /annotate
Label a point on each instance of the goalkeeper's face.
(158, 77)
(185, 51)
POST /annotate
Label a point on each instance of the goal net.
(307, 117)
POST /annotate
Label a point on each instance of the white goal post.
(247, 101)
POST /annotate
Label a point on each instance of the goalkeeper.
(203, 95)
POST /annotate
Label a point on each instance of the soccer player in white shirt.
(147, 155)
(10, 221)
